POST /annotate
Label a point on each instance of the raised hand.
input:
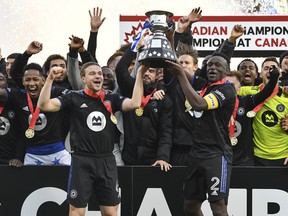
(55, 72)
(236, 32)
(95, 19)
(34, 47)
(76, 42)
(185, 22)
(195, 15)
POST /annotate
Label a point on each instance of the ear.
(83, 79)
(43, 80)
(195, 67)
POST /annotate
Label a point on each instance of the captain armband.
(212, 101)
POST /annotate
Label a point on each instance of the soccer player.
(91, 128)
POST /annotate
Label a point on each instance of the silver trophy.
(158, 48)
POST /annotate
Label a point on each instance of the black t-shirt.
(91, 130)
(8, 135)
(49, 128)
(211, 133)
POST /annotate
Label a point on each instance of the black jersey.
(9, 142)
(91, 130)
(183, 124)
(49, 128)
(148, 138)
(211, 133)
(243, 150)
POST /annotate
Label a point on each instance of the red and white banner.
(264, 35)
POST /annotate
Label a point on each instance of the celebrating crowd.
(67, 111)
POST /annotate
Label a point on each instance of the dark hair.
(271, 58)
(250, 60)
(237, 74)
(34, 66)
(282, 56)
(46, 66)
(185, 49)
(124, 47)
(12, 55)
(223, 56)
(87, 64)
(115, 55)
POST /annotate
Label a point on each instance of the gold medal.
(113, 119)
(187, 105)
(139, 111)
(233, 140)
(29, 133)
(251, 114)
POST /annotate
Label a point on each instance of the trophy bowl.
(158, 48)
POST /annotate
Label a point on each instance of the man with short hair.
(270, 139)
(92, 136)
(42, 133)
(210, 156)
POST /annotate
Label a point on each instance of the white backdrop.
(52, 22)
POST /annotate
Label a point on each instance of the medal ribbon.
(222, 81)
(35, 114)
(100, 96)
(275, 92)
(145, 100)
(1, 108)
(232, 122)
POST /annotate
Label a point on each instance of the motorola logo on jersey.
(4, 125)
(96, 121)
(269, 118)
(40, 123)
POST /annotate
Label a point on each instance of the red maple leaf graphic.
(130, 36)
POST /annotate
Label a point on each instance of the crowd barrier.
(145, 191)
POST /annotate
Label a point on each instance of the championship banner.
(264, 35)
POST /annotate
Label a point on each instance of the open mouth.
(32, 92)
(212, 74)
(247, 76)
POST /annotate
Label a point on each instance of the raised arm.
(135, 101)
(21, 60)
(197, 102)
(45, 103)
(95, 23)
(183, 30)
(124, 80)
(269, 87)
(73, 63)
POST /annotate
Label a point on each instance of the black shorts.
(208, 176)
(88, 174)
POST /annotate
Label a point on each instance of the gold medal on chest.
(29, 133)
(251, 114)
(139, 111)
(113, 119)
(187, 105)
(233, 140)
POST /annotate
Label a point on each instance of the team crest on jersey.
(238, 129)
(40, 123)
(73, 193)
(269, 118)
(240, 111)
(11, 114)
(4, 125)
(96, 121)
(280, 108)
